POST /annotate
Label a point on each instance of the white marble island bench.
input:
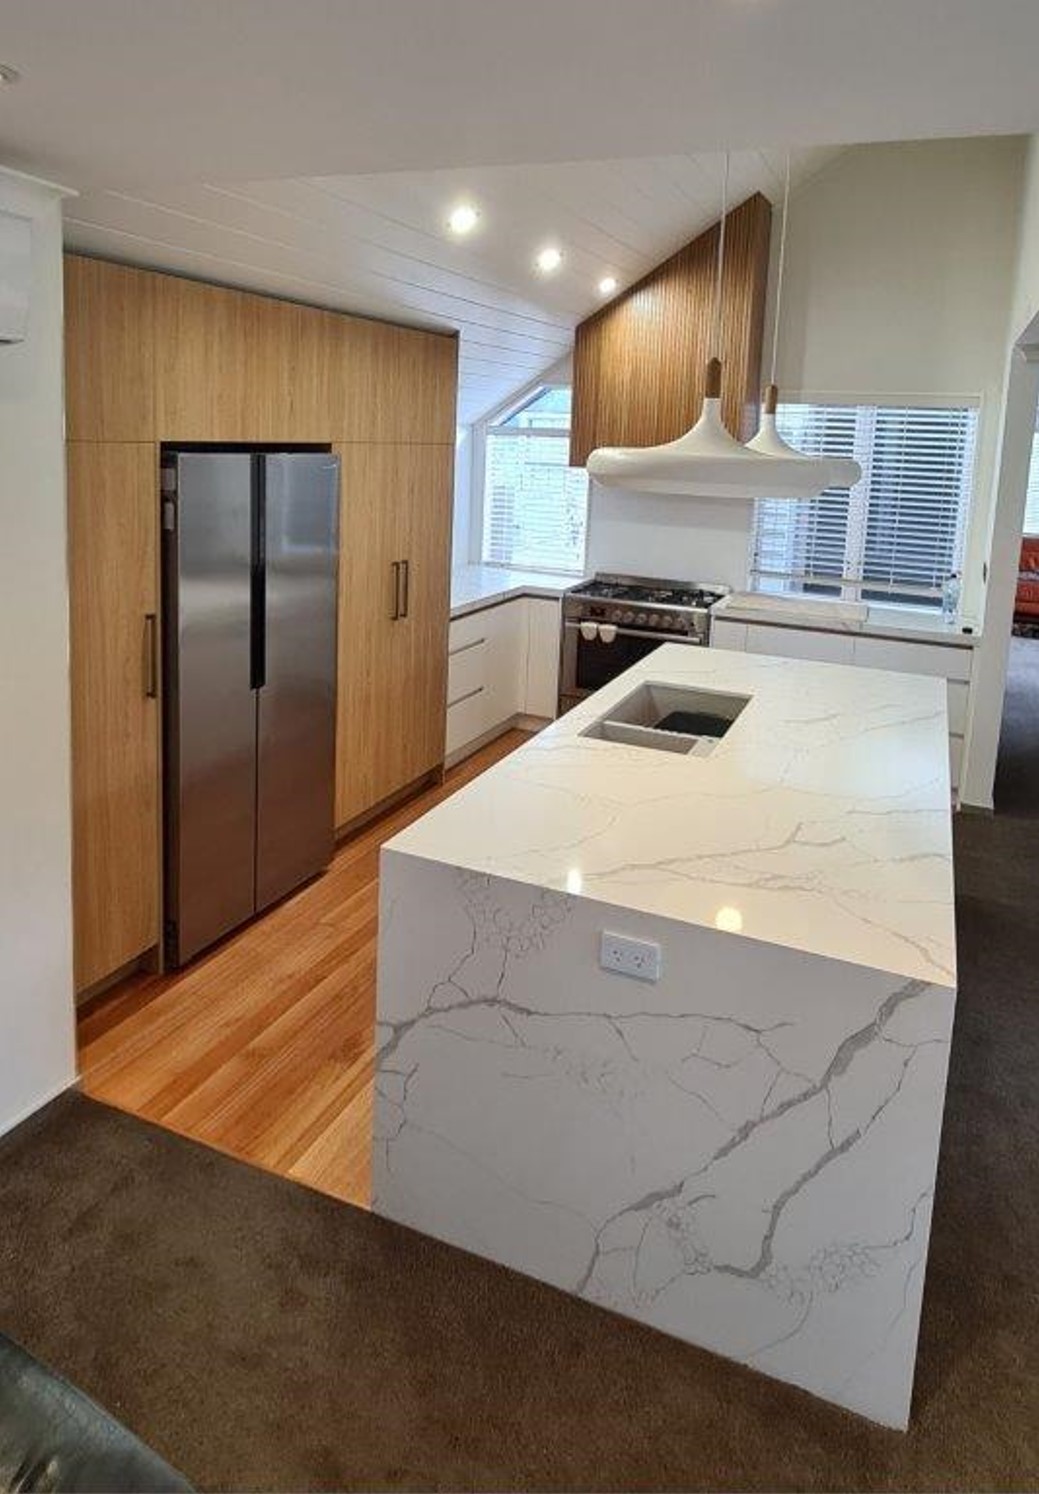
(742, 1152)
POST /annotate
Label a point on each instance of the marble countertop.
(919, 626)
(476, 586)
(820, 822)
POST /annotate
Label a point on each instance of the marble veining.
(742, 1155)
(820, 822)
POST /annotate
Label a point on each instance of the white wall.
(37, 1048)
(899, 272)
(461, 532)
(1006, 519)
(680, 539)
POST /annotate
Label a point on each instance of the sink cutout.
(670, 718)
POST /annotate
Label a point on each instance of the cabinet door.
(113, 587)
(543, 657)
(109, 351)
(395, 512)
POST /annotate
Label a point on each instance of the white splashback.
(684, 539)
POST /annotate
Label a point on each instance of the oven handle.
(641, 633)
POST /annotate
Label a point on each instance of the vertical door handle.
(406, 605)
(151, 656)
(395, 614)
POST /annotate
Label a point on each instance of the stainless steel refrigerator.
(250, 553)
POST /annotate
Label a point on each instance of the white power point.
(638, 958)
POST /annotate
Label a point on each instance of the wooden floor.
(264, 1047)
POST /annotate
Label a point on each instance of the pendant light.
(832, 472)
(707, 462)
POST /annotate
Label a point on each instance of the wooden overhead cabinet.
(153, 358)
(114, 602)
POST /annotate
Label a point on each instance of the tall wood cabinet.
(393, 615)
(153, 358)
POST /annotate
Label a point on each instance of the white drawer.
(959, 694)
(800, 643)
(914, 658)
(955, 760)
(467, 630)
(468, 719)
(725, 634)
(466, 669)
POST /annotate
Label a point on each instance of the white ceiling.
(310, 147)
(378, 244)
(118, 92)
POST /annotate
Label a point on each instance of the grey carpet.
(262, 1336)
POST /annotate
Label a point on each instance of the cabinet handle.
(405, 609)
(151, 656)
(395, 614)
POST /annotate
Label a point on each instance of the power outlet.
(638, 958)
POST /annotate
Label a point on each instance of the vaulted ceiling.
(312, 147)
(379, 244)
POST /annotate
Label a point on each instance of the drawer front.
(732, 635)
(467, 630)
(913, 658)
(466, 669)
(467, 719)
(955, 760)
(798, 643)
(959, 694)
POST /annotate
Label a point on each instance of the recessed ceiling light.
(607, 285)
(463, 218)
(8, 75)
(549, 259)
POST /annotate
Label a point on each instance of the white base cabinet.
(944, 660)
(503, 663)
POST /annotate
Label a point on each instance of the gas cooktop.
(646, 591)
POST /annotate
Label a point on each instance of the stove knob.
(641, 619)
(627, 617)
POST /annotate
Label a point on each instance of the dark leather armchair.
(52, 1437)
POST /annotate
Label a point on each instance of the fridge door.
(211, 707)
(297, 701)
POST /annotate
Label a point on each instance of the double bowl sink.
(669, 718)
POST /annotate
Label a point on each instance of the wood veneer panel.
(109, 351)
(639, 362)
(113, 586)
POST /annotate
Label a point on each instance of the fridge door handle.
(258, 580)
(151, 656)
(395, 614)
(406, 604)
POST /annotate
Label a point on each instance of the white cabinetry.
(944, 661)
(502, 665)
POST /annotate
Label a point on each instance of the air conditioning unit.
(15, 275)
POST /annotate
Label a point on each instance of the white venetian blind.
(1032, 501)
(899, 532)
(535, 511)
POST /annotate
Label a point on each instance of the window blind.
(535, 509)
(899, 532)
(1032, 501)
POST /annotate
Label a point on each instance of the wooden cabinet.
(113, 589)
(109, 351)
(395, 511)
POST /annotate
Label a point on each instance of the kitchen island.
(742, 1150)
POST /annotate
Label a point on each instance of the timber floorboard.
(263, 1047)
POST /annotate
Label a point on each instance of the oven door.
(588, 664)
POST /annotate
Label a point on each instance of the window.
(535, 506)
(1032, 501)
(899, 532)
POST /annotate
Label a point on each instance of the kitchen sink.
(670, 718)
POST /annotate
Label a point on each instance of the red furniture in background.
(1026, 601)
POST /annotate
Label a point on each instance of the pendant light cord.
(779, 272)
(716, 332)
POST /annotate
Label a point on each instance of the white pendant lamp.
(827, 472)
(707, 462)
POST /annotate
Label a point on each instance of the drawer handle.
(467, 696)
(463, 648)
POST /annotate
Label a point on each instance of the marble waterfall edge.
(742, 1155)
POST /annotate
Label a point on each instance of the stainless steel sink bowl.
(669, 718)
